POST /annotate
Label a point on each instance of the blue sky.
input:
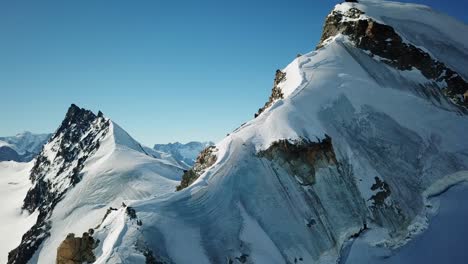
(163, 70)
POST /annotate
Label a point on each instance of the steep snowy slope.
(89, 165)
(22, 147)
(355, 138)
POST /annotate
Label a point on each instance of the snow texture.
(249, 209)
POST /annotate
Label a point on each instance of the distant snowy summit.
(23, 147)
(26, 146)
(184, 153)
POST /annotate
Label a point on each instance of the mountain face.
(356, 140)
(184, 153)
(89, 165)
(23, 147)
(347, 159)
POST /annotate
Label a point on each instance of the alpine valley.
(360, 155)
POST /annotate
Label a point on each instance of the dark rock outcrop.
(276, 92)
(382, 192)
(205, 160)
(56, 170)
(381, 40)
(77, 250)
(302, 157)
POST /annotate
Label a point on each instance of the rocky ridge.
(276, 92)
(205, 160)
(385, 44)
(56, 170)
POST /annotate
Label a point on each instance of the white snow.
(14, 184)
(380, 125)
(120, 171)
(442, 242)
(317, 83)
(263, 249)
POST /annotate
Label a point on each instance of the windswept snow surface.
(14, 184)
(120, 171)
(379, 127)
(443, 242)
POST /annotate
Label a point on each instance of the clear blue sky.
(163, 70)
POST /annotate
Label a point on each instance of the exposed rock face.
(302, 158)
(77, 250)
(56, 170)
(317, 173)
(276, 92)
(385, 44)
(205, 160)
(383, 191)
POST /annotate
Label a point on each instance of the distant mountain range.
(26, 145)
(23, 147)
(184, 153)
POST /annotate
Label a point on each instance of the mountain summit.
(88, 165)
(355, 139)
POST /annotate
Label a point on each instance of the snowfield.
(14, 183)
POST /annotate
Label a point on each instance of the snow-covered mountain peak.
(57, 169)
(429, 48)
(355, 138)
(352, 135)
(89, 161)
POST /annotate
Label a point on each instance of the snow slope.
(89, 165)
(118, 172)
(250, 209)
(14, 183)
(443, 242)
(350, 158)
